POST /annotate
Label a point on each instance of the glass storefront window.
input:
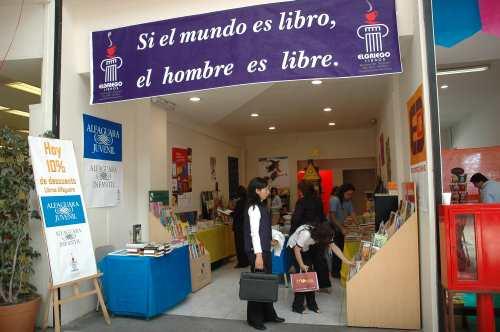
(466, 247)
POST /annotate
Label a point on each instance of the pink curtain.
(490, 16)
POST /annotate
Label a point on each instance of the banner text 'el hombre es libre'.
(267, 43)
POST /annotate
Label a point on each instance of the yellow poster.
(415, 107)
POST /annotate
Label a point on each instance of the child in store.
(301, 241)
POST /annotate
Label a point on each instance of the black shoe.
(316, 310)
(241, 266)
(260, 327)
(278, 320)
(298, 311)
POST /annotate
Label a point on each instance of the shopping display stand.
(55, 303)
(385, 293)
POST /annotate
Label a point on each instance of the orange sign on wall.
(415, 107)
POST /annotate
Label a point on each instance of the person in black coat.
(238, 222)
(258, 237)
(309, 210)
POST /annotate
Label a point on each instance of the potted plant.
(19, 303)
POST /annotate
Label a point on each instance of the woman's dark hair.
(478, 177)
(322, 233)
(241, 192)
(307, 189)
(343, 189)
(273, 191)
(252, 197)
(335, 191)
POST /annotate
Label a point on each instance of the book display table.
(219, 241)
(145, 286)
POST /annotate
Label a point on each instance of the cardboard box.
(201, 272)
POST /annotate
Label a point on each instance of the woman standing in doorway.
(238, 222)
(258, 237)
(341, 210)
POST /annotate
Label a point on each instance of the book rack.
(385, 293)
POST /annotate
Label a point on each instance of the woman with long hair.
(309, 209)
(258, 237)
(341, 209)
(306, 240)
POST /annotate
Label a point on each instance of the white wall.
(205, 142)
(394, 122)
(479, 129)
(335, 144)
(28, 42)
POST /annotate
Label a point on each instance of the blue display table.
(145, 286)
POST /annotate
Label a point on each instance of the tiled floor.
(220, 300)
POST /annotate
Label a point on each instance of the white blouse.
(254, 214)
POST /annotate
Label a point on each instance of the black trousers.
(258, 312)
(309, 297)
(337, 262)
(239, 242)
(320, 266)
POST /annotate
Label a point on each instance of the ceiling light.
(316, 82)
(20, 113)
(272, 128)
(465, 70)
(24, 131)
(327, 109)
(331, 124)
(2, 108)
(444, 86)
(25, 87)
(195, 99)
(254, 115)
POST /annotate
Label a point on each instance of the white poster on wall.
(67, 233)
(103, 182)
(275, 170)
(103, 173)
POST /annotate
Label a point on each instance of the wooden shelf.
(385, 293)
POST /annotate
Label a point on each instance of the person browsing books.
(302, 243)
(258, 238)
(238, 222)
(341, 210)
(489, 190)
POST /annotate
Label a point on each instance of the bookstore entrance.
(202, 125)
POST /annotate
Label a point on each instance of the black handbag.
(259, 287)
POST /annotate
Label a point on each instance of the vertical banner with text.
(103, 176)
(67, 233)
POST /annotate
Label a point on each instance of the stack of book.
(367, 226)
(154, 250)
(135, 249)
(148, 249)
(352, 231)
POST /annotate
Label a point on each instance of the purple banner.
(266, 43)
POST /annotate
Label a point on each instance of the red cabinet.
(470, 247)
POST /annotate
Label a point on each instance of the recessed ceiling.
(472, 92)
(295, 106)
(27, 71)
(468, 93)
